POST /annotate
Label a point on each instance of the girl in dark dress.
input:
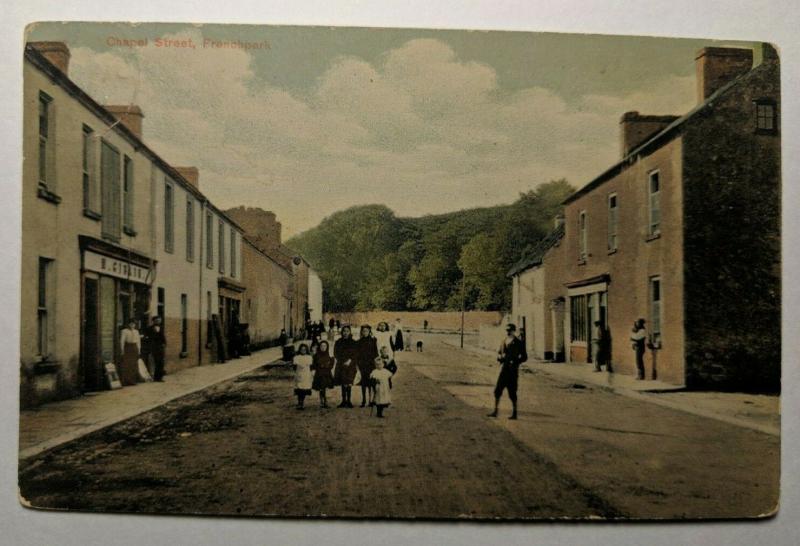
(366, 353)
(344, 352)
(323, 372)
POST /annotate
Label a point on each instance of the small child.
(381, 377)
(302, 375)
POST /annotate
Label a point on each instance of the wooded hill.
(368, 258)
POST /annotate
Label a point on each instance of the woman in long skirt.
(366, 353)
(131, 344)
(344, 353)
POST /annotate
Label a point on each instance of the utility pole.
(463, 304)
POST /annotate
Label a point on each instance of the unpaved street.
(241, 448)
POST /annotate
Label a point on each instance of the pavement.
(753, 411)
(56, 423)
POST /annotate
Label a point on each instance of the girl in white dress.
(382, 379)
(384, 337)
(303, 378)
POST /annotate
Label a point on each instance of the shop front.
(115, 287)
(230, 306)
(588, 303)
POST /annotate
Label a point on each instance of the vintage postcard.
(399, 273)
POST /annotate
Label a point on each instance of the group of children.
(363, 361)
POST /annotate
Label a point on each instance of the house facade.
(684, 232)
(112, 232)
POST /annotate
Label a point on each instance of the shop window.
(169, 217)
(209, 240)
(221, 247)
(654, 203)
(44, 313)
(89, 173)
(655, 311)
(190, 229)
(110, 182)
(127, 196)
(766, 116)
(578, 317)
(612, 222)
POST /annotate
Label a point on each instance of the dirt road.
(241, 448)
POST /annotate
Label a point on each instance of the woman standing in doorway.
(366, 353)
(131, 344)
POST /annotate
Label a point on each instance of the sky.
(319, 119)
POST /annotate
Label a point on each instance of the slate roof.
(533, 255)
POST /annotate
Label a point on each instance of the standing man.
(638, 339)
(510, 355)
(601, 345)
(156, 344)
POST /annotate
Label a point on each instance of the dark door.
(90, 359)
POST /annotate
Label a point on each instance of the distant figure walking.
(638, 341)
(131, 344)
(425, 324)
(366, 353)
(344, 353)
(302, 374)
(510, 355)
(322, 366)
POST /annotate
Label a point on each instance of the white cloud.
(421, 131)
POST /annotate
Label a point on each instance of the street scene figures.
(577, 233)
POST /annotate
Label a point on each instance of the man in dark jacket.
(511, 354)
(156, 345)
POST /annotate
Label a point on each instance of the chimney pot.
(191, 174)
(636, 128)
(55, 52)
(129, 115)
(717, 66)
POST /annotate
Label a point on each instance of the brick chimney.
(191, 174)
(636, 128)
(55, 52)
(130, 115)
(717, 66)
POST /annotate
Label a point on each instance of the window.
(655, 310)
(127, 196)
(45, 130)
(612, 222)
(654, 208)
(89, 182)
(209, 240)
(184, 325)
(169, 217)
(582, 235)
(766, 118)
(221, 247)
(578, 317)
(109, 179)
(189, 229)
(233, 252)
(44, 316)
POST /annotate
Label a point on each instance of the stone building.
(264, 232)
(110, 231)
(684, 231)
(537, 306)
